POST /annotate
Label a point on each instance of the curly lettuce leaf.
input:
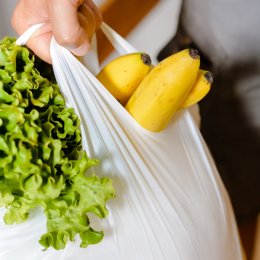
(42, 163)
(67, 215)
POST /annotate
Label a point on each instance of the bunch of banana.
(153, 94)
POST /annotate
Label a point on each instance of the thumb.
(66, 27)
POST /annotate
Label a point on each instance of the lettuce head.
(42, 163)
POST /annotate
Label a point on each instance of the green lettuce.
(42, 163)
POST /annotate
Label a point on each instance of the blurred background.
(226, 32)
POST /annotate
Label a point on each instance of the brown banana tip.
(146, 59)
(194, 53)
(209, 77)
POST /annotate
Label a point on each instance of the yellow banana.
(200, 88)
(164, 89)
(122, 75)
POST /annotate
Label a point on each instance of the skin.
(71, 22)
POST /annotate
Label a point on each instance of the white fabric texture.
(170, 204)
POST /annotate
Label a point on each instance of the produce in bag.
(170, 204)
(164, 89)
(42, 163)
(175, 83)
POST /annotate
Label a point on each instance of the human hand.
(71, 22)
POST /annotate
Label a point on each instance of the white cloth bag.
(171, 203)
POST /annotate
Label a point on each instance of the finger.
(90, 19)
(27, 13)
(96, 12)
(68, 32)
(87, 20)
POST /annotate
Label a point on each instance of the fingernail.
(81, 50)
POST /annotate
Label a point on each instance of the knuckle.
(77, 3)
(68, 39)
